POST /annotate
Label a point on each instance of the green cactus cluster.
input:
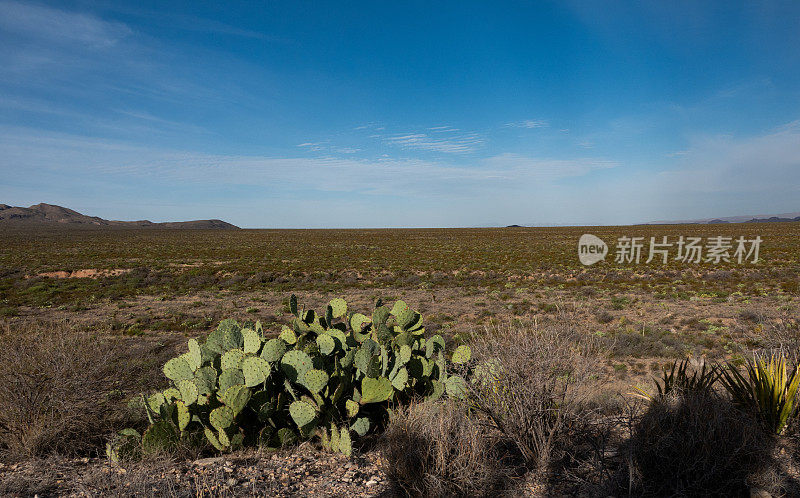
(332, 376)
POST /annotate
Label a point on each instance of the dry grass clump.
(531, 384)
(525, 416)
(439, 449)
(697, 444)
(64, 388)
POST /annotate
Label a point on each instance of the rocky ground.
(302, 472)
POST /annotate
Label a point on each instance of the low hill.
(49, 214)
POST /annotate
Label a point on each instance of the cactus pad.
(302, 413)
(345, 444)
(456, 387)
(188, 390)
(236, 398)
(347, 360)
(404, 354)
(255, 370)
(194, 357)
(251, 341)
(380, 315)
(375, 390)
(315, 380)
(287, 335)
(400, 380)
(352, 408)
(232, 359)
(273, 350)
(361, 360)
(230, 378)
(295, 364)
(334, 438)
(358, 322)
(155, 401)
(221, 418)
(399, 306)
(178, 369)
(338, 307)
(434, 345)
(213, 439)
(436, 391)
(231, 335)
(205, 378)
(326, 343)
(184, 417)
(360, 426)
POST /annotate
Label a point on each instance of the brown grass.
(438, 449)
(535, 388)
(64, 389)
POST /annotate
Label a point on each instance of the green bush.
(767, 389)
(332, 377)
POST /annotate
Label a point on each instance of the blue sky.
(373, 114)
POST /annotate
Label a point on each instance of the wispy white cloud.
(450, 141)
(55, 25)
(529, 123)
(327, 147)
(31, 150)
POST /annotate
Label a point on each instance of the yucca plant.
(766, 388)
(678, 380)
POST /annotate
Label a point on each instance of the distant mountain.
(49, 214)
(758, 218)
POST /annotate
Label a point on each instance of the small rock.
(370, 483)
(207, 461)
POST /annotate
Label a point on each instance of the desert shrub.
(529, 384)
(330, 377)
(696, 444)
(63, 388)
(652, 344)
(440, 449)
(680, 378)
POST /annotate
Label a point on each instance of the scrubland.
(572, 407)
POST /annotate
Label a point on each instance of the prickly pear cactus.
(330, 376)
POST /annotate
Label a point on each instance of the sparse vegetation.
(556, 350)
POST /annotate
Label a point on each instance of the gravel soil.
(302, 472)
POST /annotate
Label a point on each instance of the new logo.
(591, 249)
